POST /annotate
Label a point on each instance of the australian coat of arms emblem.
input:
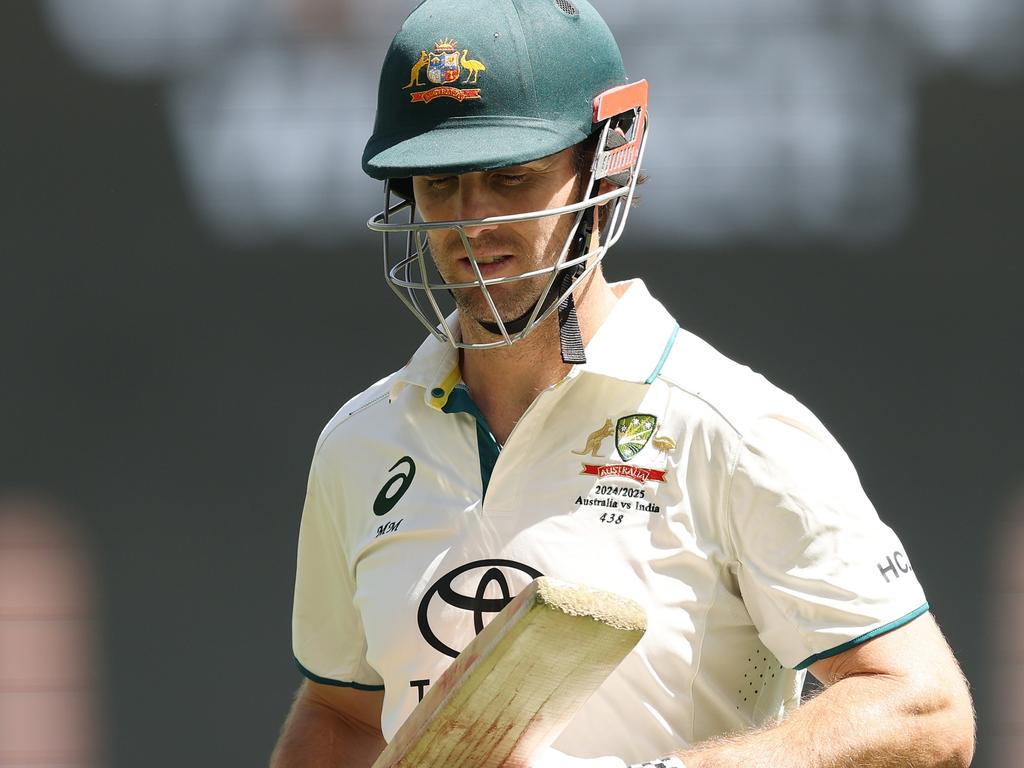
(445, 67)
(632, 434)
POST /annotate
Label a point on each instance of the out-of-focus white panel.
(984, 36)
(144, 38)
(771, 119)
(272, 139)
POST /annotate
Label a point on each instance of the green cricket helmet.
(477, 85)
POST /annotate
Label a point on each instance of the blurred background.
(188, 292)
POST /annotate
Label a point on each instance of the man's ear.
(604, 186)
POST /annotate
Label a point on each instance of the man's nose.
(475, 202)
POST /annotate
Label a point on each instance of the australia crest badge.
(632, 433)
(445, 68)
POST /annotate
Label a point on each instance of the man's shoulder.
(733, 391)
(358, 412)
(381, 411)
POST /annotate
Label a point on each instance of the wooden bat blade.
(520, 681)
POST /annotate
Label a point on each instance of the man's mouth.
(489, 264)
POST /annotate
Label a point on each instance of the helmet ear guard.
(624, 111)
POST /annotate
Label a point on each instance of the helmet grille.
(567, 8)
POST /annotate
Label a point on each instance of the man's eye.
(439, 183)
(511, 179)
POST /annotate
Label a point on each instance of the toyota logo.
(491, 572)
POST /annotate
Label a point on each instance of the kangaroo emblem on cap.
(417, 68)
(444, 65)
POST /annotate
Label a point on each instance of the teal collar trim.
(460, 401)
(863, 638)
(664, 356)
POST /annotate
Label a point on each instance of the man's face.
(505, 249)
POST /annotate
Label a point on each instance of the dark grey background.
(170, 389)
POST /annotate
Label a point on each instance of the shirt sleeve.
(818, 570)
(328, 640)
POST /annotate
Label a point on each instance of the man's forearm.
(314, 736)
(865, 721)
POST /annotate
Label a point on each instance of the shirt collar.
(435, 368)
(632, 345)
(635, 339)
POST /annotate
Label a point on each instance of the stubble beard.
(512, 300)
(517, 297)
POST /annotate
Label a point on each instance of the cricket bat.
(520, 681)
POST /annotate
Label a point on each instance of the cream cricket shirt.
(659, 470)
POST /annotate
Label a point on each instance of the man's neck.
(505, 381)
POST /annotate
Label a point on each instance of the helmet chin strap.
(569, 337)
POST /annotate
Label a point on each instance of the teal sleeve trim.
(327, 681)
(664, 355)
(863, 638)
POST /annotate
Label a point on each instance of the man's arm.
(897, 700)
(330, 727)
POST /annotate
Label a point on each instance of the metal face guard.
(410, 271)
